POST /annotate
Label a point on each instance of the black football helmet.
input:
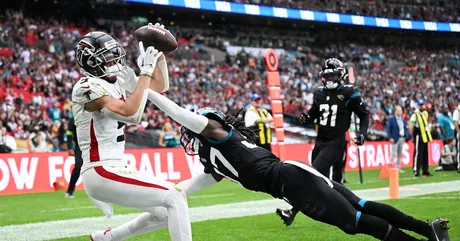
(332, 73)
(99, 55)
(189, 139)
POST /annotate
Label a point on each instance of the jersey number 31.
(328, 112)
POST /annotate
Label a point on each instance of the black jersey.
(332, 109)
(237, 159)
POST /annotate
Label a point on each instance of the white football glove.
(147, 59)
(159, 25)
(128, 79)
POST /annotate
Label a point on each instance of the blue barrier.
(298, 14)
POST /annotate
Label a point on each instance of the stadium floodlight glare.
(307, 15)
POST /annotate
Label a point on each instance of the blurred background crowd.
(37, 67)
(429, 10)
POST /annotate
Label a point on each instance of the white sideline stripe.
(435, 198)
(94, 207)
(83, 226)
(211, 195)
(68, 209)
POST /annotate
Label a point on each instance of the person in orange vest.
(419, 129)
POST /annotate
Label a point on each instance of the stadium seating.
(429, 10)
(37, 70)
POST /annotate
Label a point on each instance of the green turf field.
(33, 208)
(269, 227)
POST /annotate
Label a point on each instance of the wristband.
(145, 74)
(261, 121)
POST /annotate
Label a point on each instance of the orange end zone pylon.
(274, 90)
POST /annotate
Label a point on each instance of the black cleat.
(286, 216)
(439, 230)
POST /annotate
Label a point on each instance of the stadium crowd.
(37, 71)
(429, 10)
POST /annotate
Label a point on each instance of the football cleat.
(439, 230)
(286, 215)
(67, 195)
(101, 235)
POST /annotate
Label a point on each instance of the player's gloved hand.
(159, 26)
(147, 59)
(359, 139)
(305, 118)
(127, 79)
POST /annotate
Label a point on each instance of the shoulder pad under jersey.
(87, 89)
(348, 90)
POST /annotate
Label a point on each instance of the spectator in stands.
(398, 133)
(456, 117)
(62, 136)
(168, 136)
(449, 160)
(40, 139)
(258, 118)
(54, 113)
(7, 142)
(446, 125)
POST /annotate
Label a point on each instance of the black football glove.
(359, 139)
(305, 118)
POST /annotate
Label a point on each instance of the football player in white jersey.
(101, 108)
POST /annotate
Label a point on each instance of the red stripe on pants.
(112, 176)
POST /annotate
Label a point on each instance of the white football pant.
(163, 204)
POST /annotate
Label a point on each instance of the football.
(161, 39)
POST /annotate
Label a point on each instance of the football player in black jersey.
(226, 149)
(331, 110)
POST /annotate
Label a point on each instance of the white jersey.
(100, 138)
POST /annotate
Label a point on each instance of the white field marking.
(436, 198)
(83, 226)
(68, 209)
(211, 195)
(380, 180)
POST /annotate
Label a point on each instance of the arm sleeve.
(194, 122)
(361, 111)
(198, 182)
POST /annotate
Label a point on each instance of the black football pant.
(326, 154)
(338, 169)
(330, 202)
(75, 172)
(420, 156)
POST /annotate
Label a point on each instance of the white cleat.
(101, 235)
(67, 195)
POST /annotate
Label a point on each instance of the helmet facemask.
(331, 77)
(105, 62)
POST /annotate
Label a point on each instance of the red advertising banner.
(36, 172)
